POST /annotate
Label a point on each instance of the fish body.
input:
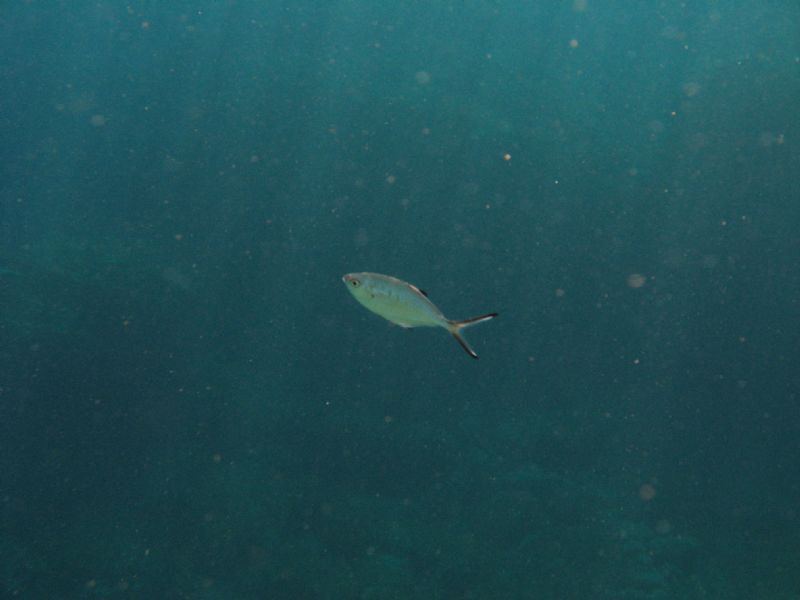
(405, 304)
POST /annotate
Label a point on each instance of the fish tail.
(455, 328)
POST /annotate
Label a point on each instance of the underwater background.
(193, 406)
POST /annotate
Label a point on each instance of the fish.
(406, 305)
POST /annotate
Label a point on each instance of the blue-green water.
(193, 406)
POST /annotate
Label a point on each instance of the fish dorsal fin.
(416, 289)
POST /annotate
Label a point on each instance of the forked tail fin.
(455, 328)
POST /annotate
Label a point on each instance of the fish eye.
(355, 282)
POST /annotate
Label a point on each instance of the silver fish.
(406, 305)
